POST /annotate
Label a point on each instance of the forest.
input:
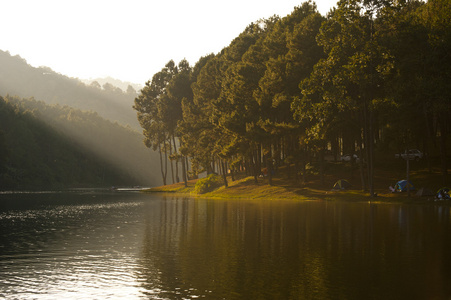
(371, 78)
(58, 132)
(56, 147)
(34, 156)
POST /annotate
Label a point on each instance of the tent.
(401, 186)
(423, 192)
(341, 184)
(443, 194)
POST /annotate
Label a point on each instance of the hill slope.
(33, 155)
(17, 78)
(100, 123)
(118, 146)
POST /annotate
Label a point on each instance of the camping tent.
(423, 192)
(443, 194)
(341, 185)
(401, 186)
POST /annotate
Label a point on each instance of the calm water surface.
(102, 245)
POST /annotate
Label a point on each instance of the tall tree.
(436, 16)
(287, 65)
(178, 89)
(153, 116)
(197, 129)
(239, 110)
(351, 78)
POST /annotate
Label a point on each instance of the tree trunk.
(270, 165)
(321, 165)
(371, 155)
(444, 166)
(304, 172)
(367, 128)
(211, 166)
(185, 161)
(184, 170)
(172, 164)
(253, 159)
(362, 171)
(163, 174)
(165, 163)
(427, 138)
(224, 176)
(177, 179)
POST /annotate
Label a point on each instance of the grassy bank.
(286, 187)
(247, 188)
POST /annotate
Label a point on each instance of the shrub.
(208, 184)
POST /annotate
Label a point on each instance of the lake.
(114, 245)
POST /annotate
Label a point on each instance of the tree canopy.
(370, 77)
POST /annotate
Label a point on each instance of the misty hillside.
(124, 86)
(34, 156)
(18, 78)
(61, 146)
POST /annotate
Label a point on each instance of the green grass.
(284, 187)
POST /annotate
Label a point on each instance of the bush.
(208, 184)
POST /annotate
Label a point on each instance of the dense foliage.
(370, 77)
(208, 184)
(35, 156)
(43, 146)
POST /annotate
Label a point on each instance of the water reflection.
(259, 250)
(60, 246)
(101, 246)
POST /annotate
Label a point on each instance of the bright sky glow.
(127, 39)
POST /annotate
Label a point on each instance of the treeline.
(54, 147)
(369, 78)
(34, 156)
(127, 87)
(18, 78)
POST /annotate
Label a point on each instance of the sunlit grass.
(286, 188)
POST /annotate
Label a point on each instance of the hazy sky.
(127, 39)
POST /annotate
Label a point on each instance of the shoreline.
(246, 188)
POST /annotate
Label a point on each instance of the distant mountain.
(18, 78)
(98, 122)
(115, 82)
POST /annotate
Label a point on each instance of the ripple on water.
(82, 251)
(82, 276)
